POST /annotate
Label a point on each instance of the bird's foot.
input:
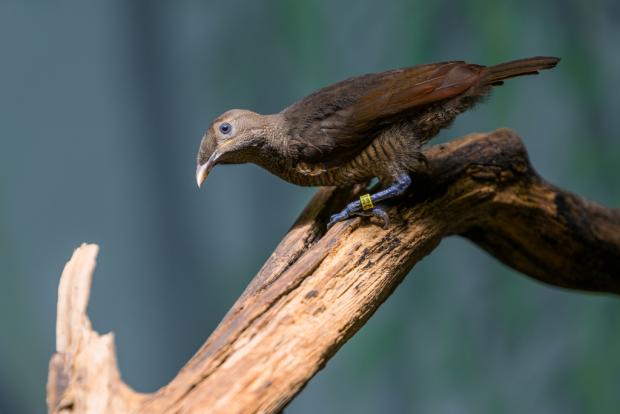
(377, 211)
(365, 205)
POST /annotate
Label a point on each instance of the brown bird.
(357, 129)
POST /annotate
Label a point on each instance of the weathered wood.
(316, 290)
(83, 375)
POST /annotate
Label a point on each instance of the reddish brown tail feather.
(530, 66)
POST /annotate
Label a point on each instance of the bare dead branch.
(316, 290)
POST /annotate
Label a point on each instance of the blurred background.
(102, 107)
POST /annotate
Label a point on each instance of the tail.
(494, 75)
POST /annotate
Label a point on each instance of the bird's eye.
(225, 128)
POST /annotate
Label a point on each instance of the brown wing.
(334, 123)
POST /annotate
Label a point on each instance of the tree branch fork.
(318, 288)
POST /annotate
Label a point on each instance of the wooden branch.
(83, 375)
(316, 290)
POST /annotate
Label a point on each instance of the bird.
(361, 128)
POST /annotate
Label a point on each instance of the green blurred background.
(102, 106)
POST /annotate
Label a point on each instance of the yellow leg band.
(366, 202)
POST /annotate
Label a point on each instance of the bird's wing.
(336, 122)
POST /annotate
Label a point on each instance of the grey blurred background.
(102, 106)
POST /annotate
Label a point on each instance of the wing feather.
(336, 122)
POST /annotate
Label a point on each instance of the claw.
(378, 212)
(382, 214)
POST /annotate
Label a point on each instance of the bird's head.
(235, 137)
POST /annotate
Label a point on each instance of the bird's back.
(335, 123)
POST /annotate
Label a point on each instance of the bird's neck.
(275, 133)
(273, 154)
(274, 143)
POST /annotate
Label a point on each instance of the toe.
(335, 218)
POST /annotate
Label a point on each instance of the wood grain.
(318, 289)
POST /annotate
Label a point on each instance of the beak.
(202, 170)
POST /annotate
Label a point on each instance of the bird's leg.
(365, 205)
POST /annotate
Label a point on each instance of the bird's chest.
(310, 174)
(361, 167)
(317, 174)
(384, 156)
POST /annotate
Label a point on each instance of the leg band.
(366, 202)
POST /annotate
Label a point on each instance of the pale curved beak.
(202, 170)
